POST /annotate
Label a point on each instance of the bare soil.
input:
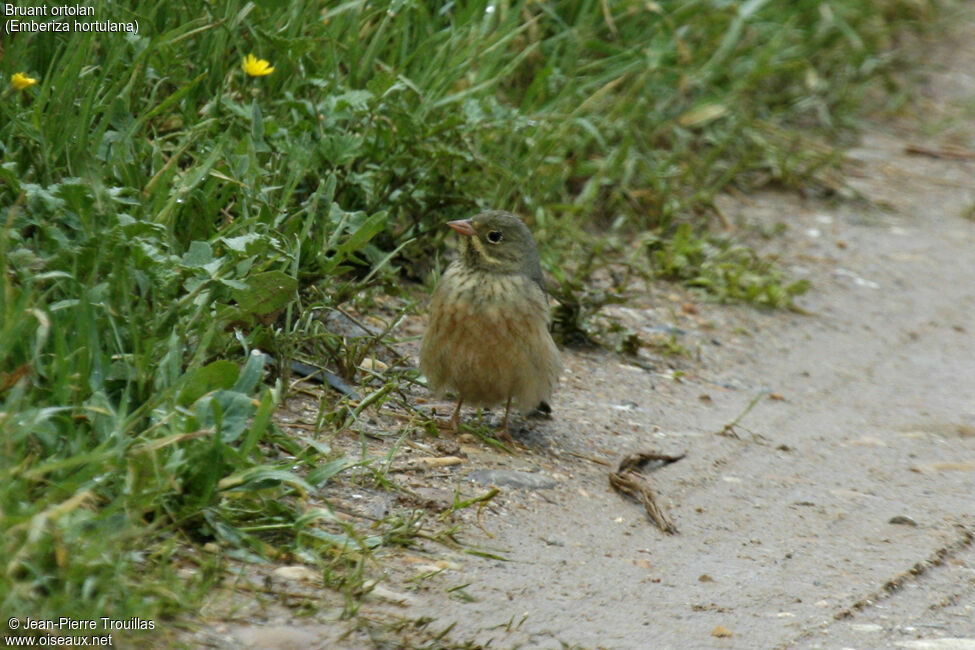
(838, 512)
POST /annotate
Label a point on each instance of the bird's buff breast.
(488, 339)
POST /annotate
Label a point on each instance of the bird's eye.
(495, 236)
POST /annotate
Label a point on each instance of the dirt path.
(789, 535)
(843, 514)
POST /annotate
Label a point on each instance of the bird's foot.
(504, 436)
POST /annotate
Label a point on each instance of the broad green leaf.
(266, 292)
(252, 372)
(199, 255)
(319, 476)
(213, 376)
(226, 410)
(369, 229)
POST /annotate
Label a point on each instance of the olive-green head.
(499, 242)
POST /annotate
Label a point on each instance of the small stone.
(298, 573)
(868, 441)
(511, 478)
(395, 597)
(373, 364)
(903, 520)
(435, 497)
(721, 631)
(866, 627)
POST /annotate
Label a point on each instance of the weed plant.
(164, 216)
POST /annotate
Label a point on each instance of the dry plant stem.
(729, 428)
(628, 481)
(377, 337)
(639, 459)
(635, 486)
(964, 541)
(591, 459)
(947, 152)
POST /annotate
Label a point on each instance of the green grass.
(163, 215)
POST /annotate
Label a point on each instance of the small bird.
(488, 340)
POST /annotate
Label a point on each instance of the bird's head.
(498, 242)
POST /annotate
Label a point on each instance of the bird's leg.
(507, 409)
(503, 432)
(455, 418)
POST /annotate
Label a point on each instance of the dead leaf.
(966, 431)
(702, 115)
(9, 379)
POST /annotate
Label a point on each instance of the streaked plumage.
(488, 339)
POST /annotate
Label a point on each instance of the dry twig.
(628, 480)
(947, 152)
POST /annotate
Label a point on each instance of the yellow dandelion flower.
(256, 67)
(20, 81)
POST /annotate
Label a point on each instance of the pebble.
(299, 573)
(903, 520)
(511, 478)
(867, 627)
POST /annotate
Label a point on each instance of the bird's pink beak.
(463, 226)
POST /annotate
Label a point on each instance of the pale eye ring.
(495, 236)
